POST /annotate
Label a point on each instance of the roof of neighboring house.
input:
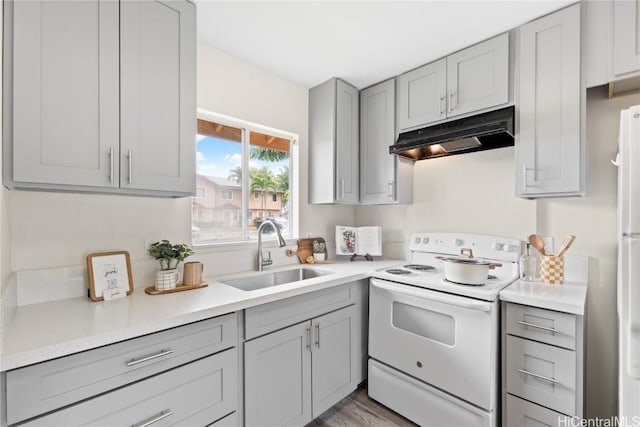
(222, 181)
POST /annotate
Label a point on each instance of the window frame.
(294, 187)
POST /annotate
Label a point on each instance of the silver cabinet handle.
(318, 335)
(442, 99)
(391, 189)
(309, 338)
(129, 156)
(134, 362)
(541, 377)
(111, 165)
(451, 95)
(161, 416)
(342, 188)
(533, 325)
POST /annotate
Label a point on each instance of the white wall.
(474, 193)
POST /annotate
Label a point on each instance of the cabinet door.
(347, 159)
(478, 77)
(522, 413)
(335, 351)
(158, 107)
(278, 378)
(548, 144)
(377, 133)
(65, 92)
(422, 95)
(626, 36)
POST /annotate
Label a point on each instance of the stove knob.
(507, 247)
(425, 240)
(497, 246)
(457, 242)
(417, 240)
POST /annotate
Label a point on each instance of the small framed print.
(109, 275)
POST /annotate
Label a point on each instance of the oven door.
(447, 341)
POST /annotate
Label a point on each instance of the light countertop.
(39, 332)
(569, 297)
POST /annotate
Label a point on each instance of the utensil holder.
(552, 269)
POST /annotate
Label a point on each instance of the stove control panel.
(481, 246)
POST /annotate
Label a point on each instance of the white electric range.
(434, 344)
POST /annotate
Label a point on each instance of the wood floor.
(358, 409)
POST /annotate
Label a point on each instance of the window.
(249, 168)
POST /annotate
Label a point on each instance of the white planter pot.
(318, 257)
(167, 279)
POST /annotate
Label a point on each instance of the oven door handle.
(442, 298)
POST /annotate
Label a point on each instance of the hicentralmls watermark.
(599, 422)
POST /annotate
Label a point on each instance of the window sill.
(214, 247)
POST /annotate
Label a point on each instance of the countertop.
(569, 297)
(39, 332)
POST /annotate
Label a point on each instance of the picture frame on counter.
(109, 275)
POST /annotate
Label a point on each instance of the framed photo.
(109, 271)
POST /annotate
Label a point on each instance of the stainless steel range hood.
(480, 132)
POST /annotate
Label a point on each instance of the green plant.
(168, 254)
(318, 247)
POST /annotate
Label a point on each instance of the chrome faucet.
(261, 261)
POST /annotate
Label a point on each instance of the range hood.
(476, 133)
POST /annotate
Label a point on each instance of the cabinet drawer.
(542, 374)
(39, 388)
(521, 413)
(551, 327)
(266, 318)
(194, 394)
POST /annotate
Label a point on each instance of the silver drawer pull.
(541, 377)
(161, 416)
(533, 325)
(146, 359)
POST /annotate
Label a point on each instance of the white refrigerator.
(629, 266)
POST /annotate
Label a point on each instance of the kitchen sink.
(274, 278)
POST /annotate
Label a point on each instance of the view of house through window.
(242, 178)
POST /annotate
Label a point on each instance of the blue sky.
(216, 157)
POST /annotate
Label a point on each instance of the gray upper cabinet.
(100, 96)
(548, 152)
(472, 79)
(384, 178)
(478, 76)
(158, 74)
(333, 143)
(422, 95)
(626, 18)
(65, 92)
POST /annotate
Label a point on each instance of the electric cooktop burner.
(398, 271)
(463, 284)
(419, 267)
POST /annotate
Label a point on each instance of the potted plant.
(318, 250)
(169, 256)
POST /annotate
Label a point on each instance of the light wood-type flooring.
(358, 409)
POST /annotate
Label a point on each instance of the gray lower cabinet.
(384, 178)
(549, 157)
(100, 96)
(296, 373)
(543, 359)
(181, 376)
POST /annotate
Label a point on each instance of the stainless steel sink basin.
(274, 278)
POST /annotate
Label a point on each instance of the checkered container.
(552, 269)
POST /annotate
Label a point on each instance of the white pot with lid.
(467, 271)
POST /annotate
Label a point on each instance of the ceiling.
(363, 42)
